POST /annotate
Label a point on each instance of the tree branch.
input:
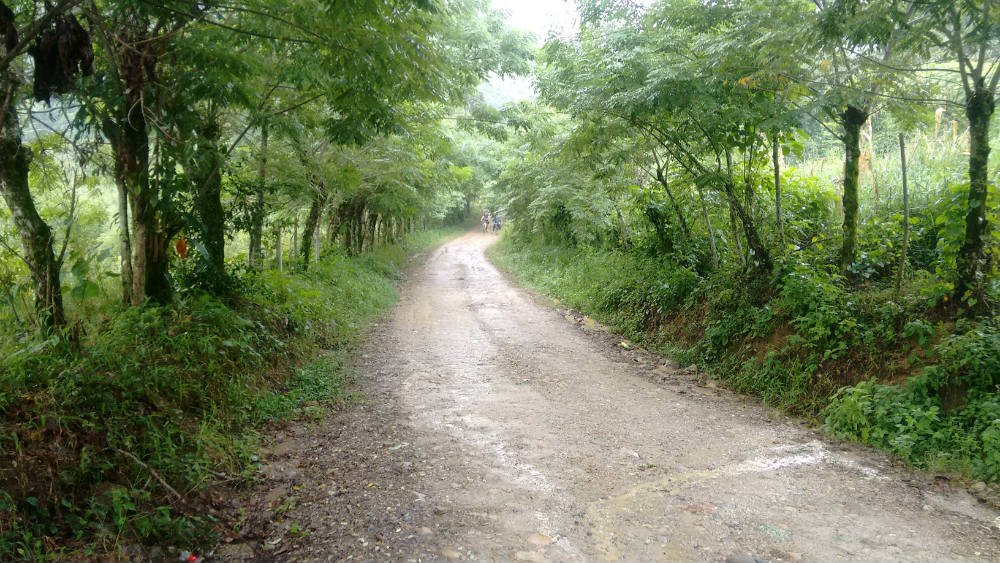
(152, 471)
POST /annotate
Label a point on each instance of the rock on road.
(495, 428)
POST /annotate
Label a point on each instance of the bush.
(95, 433)
(157, 391)
(949, 416)
(629, 291)
(796, 345)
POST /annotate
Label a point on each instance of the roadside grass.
(867, 365)
(114, 437)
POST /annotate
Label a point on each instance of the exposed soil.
(498, 428)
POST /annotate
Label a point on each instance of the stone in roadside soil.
(539, 539)
(530, 557)
(743, 558)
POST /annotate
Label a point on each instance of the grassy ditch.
(111, 436)
(870, 365)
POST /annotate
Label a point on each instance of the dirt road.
(496, 428)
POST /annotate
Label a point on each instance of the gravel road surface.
(496, 427)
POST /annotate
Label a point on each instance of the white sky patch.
(508, 90)
(540, 17)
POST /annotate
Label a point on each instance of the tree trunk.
(312, 221)
(662, 179)
(332, 224)
(357, 224)
(736, 233)
(776, 159)
(278, 251)
(906, 216)
(979, 109)
(760, 258)
(124, 242)
(372, 226)
(624, 227)
(257, 213)
(757, 252)
(208, 197)
(150, 260)
(851, 120)
(660, 223)
(319, 242)
(130, 145)
(295, 239)
(128, 133)
(36, 236)
(711, 231)
(344, 211)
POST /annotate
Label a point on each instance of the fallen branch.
(220, 474)
(151, 471)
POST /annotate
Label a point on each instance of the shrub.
(94, 434)
(948, 416)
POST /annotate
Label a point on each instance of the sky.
(539, 17)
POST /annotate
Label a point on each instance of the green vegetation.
(726, 182)
(796, 349)
(100, 436)
(204, 205)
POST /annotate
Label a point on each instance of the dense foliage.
(119, 437)
(200, 199)
(727, 181)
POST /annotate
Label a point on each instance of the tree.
(963, 33)
(669, 84)
(54, 70)
(133, 39)
(196, 105)
(968, 31)
(853, 77)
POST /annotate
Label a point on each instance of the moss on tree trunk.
(979, 110)
(36, 236)
(312, 221)
(851, 119)
(208, 196)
